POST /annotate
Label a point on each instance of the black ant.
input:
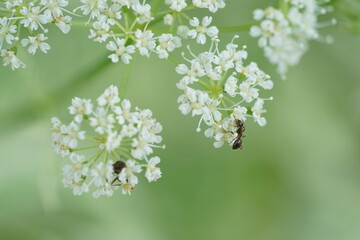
(237, 141)
(117, 167)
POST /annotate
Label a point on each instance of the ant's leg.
(114, 180)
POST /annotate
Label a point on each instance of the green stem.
(204, 85)
(5, 10)
(80, 25)
(156, 5)
(105, 157)
(115, 155)
(222, 79)
(173, 59)
(125, 154)
(84, 148)
(97, 157)
(229, 100)
(120, 26)
(32, 110)
(284, 6)
(125, 78)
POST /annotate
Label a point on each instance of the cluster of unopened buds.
(219, 85)
(107, 144)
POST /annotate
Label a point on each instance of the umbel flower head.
(219, 88)
(107, 144)
(31, 17)
(284, 33)
(126, 26)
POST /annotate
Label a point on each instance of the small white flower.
(73, 134)
(113, 141)
(109, 97)
(145, 42)
(167, 43)
(153, 173)
(231, 86)
(63, 23)
(212, 5)
(100, 32)
(34, 18)
(79, 108)
(107, 190)
(35, 43)
(143, 12)
(183, 31)
(168, 19)
(78, 187)
(6, 31)
(77, 169)
(201, 30)
(248, 92)
(176, 5)
(102, 173)
(140, 148)
(102, 121)
(127, 174)
(121, 51)
(239, 113)
(9, 58)
(257, 111)
(55, 6)
(13, 3)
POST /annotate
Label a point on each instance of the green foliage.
(349, 13)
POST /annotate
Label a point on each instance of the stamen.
(192, 54)
(198, 129)
(329, 23)
(147, 24)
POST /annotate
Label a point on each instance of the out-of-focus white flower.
(168, 19)
(285, 35)
(176, 5)
(212, 5)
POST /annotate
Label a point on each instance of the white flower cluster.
(122, 24)
(220, 89)
(212, 5)
(284, 33)
(125, 26)
(119, 148)
(33, 16)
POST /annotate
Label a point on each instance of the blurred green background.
(296, 179)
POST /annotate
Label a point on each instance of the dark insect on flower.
(241, 128)
(118, 166)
